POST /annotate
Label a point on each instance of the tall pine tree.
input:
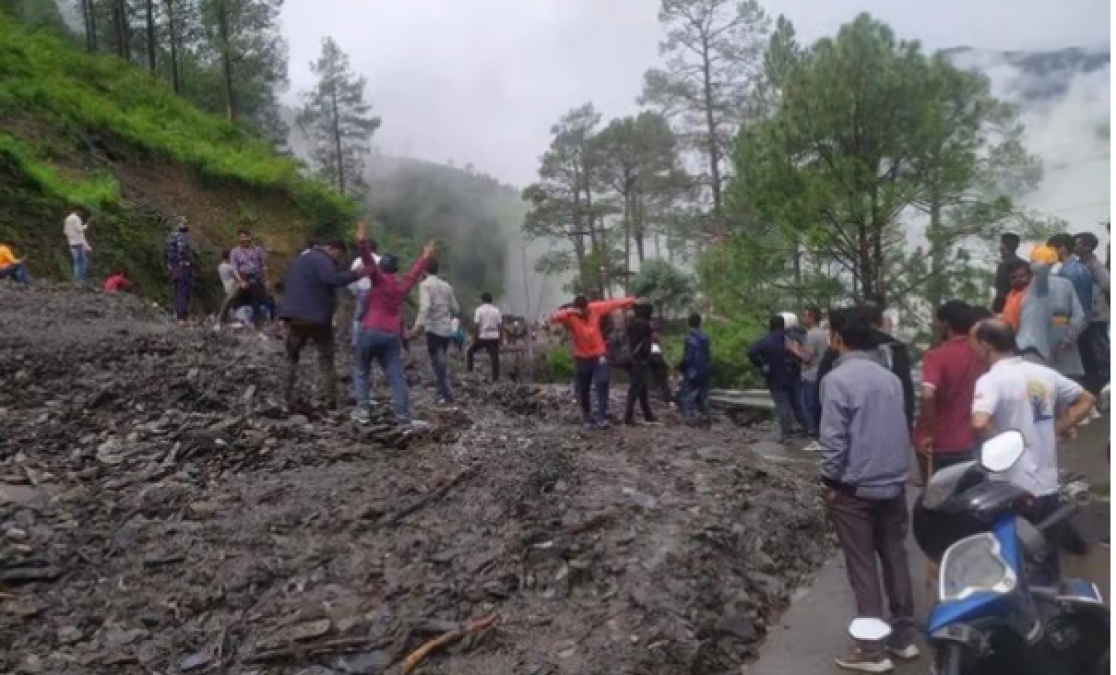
(337, 120)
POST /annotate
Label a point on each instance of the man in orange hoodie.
(583, 320)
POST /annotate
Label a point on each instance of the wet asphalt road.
(812, 631)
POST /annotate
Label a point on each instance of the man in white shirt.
(74, 229)
(360, 289)
(1019, 394)
(487, 323)
(437, 307)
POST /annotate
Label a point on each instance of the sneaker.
(904, 647)
(813, 447)
(361, 415)
(863, 661)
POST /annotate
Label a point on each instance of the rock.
(68, 635)
(193, 662)
(365, 663)
(21, 495)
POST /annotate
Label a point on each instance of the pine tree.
(337, 120)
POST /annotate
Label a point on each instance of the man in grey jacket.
(865, 459)
(437, 307)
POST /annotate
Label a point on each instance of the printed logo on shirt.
(1042, 405)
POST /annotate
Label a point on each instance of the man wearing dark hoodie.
(891, 352)
(310, 300)
(771, 355)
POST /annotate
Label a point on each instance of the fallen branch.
(433, 495)
(317, 648)
(416, 657)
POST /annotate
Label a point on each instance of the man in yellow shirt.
(12, 267)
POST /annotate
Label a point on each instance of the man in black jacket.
(1009, 243)
(639, 338)
(891, 351)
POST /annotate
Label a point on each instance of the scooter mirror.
(869, 630)
(1002, 451)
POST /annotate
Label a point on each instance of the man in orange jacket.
(583, 319)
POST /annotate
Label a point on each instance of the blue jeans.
(81, 263)
(17, 272)
(387, 349)
(693, 400)
(436, 348)
(808, 391)
(592, 374)
(784, 410)
(362, 381)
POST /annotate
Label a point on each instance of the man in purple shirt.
(249, 266)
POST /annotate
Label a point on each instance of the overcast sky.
(481, 81)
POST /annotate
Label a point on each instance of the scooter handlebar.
(1064, 513)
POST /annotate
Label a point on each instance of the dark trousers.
(490, 345)
(872, 535)
(436, 348)
(17, 272)
(807, 397)
(254, 295)
(1050, 571)
(639, 375)
(693, 400)
(788, 407)
(592, 374)
(183, 278)
(1094, 349)
(321, 334)
(660, 379)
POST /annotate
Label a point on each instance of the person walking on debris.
(180, 265)
(310, 299)
(359, 290)
(811, 353)
(771, 355)
(1037, 401)
(487, 322)
(12, 267)
(943, 436)
(1009, 244)
(381, 329)
(583, 321)
(249, 263)
(437, 307)
(457, 335)
(1093, 344)
(864, 465)
(639, 339)
(74, 229)
(697, 371)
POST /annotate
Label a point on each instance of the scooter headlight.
(974, 565)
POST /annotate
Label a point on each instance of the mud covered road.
(161, 513)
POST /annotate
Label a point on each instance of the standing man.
(1071, 291)
(864, 465)
(359, 290)
(381, 328)
(640, 337)
(74, 229)
(310, 298)
(249, 264)
(1093, 343)
(437, 307)
(772, 356)
(1009, 244)
(1018, 394)
(180, 265)
(697, 371)
(817, 341)
(583, 321)
(486, 335)
(943, 436)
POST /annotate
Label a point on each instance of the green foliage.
(555, 365)
(669, 289)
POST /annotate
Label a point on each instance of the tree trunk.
(627, 240)
(150, 6)
(711, 128)
(226, 58)
(172, 39)
(335, 130)
(937, 285)
(120, 25)
(90, 24)
(638, 226)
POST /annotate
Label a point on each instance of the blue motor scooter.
(993, 615)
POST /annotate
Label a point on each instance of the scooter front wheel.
(947, 659)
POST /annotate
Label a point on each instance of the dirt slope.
(161, 514)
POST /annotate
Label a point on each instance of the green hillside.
(85, 129)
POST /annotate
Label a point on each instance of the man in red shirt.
(943, 434)
(583, 320)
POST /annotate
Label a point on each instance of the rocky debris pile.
(161, 513)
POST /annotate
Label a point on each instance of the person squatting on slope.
(591, 371)
(12, 267)
(180, 265)
(309, 302)
(249, 263)
(381, 329)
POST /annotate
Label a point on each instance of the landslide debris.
(161, 512)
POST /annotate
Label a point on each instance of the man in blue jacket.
(696, 367)
(771, 355)
(310, 300)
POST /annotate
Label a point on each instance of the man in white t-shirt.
(360, 289)
(74, 229)
(1039, 402)
(487, 327)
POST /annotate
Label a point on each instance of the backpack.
(619, 352)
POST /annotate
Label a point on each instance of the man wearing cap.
(1045, 311)
(180, 264)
